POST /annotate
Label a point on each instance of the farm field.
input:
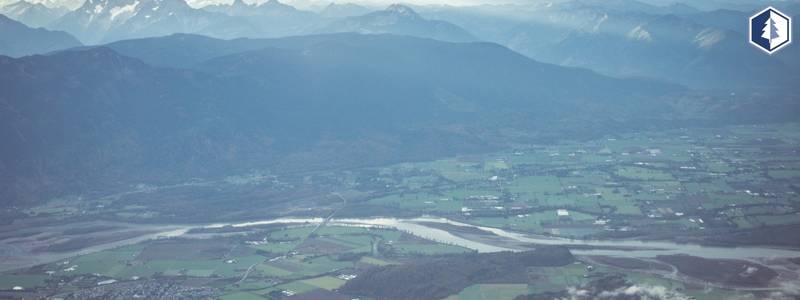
(727, 186)
(695, 181)
(284, 259)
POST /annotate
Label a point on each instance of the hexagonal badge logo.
(770, 30)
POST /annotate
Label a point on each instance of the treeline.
(606, 286)
(441, 276)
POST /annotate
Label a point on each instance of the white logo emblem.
(770, 30)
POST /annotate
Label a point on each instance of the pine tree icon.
(775, 29)
(770, 30)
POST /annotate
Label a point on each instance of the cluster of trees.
(441, 276)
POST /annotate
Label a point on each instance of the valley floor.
(716, 187)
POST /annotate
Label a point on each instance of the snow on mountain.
(109, 20)
(271, 8)
(32, 14)
(640, 34)
(709, 37)
(402, 20)
(335, 10)
(272, 18)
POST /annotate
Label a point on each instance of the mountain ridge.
(402, 20)
(120, 120)
(17, 39)
(32, 14)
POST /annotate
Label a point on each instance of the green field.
(492, 292)
(672, 184)
(7, 282)
(325, 282)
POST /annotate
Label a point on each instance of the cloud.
(636, 291)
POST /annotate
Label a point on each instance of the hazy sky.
(299, 3)
(449, 2)
(310, 3)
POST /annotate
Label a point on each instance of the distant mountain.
(730, 19)
(667, 47)
(335, 10)
(109, 20)
(94, 115)
(273, 8)
(679, 8)
(16, 39)
(626, 6)
(613, 5)
(169, 51)
(238, 7)
(722, 18)
(271, 18)
(401, 20)
(627, 38)
(276, 8)
(32, 14)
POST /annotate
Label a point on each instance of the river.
(502, 240)
(632, 248)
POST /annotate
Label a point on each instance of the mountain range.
(621, 38)
(102, 21)
(177, 92)
(17, 39)
(95, 115)
(337, 10)
(109, 20)
(402, 20)
(270, 19)
(32, 14)
(627, 38)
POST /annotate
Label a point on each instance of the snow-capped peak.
(401, 10)
(640, 34)
(126, 10)
(708, 38)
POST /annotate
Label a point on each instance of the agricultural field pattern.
(613, 201)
